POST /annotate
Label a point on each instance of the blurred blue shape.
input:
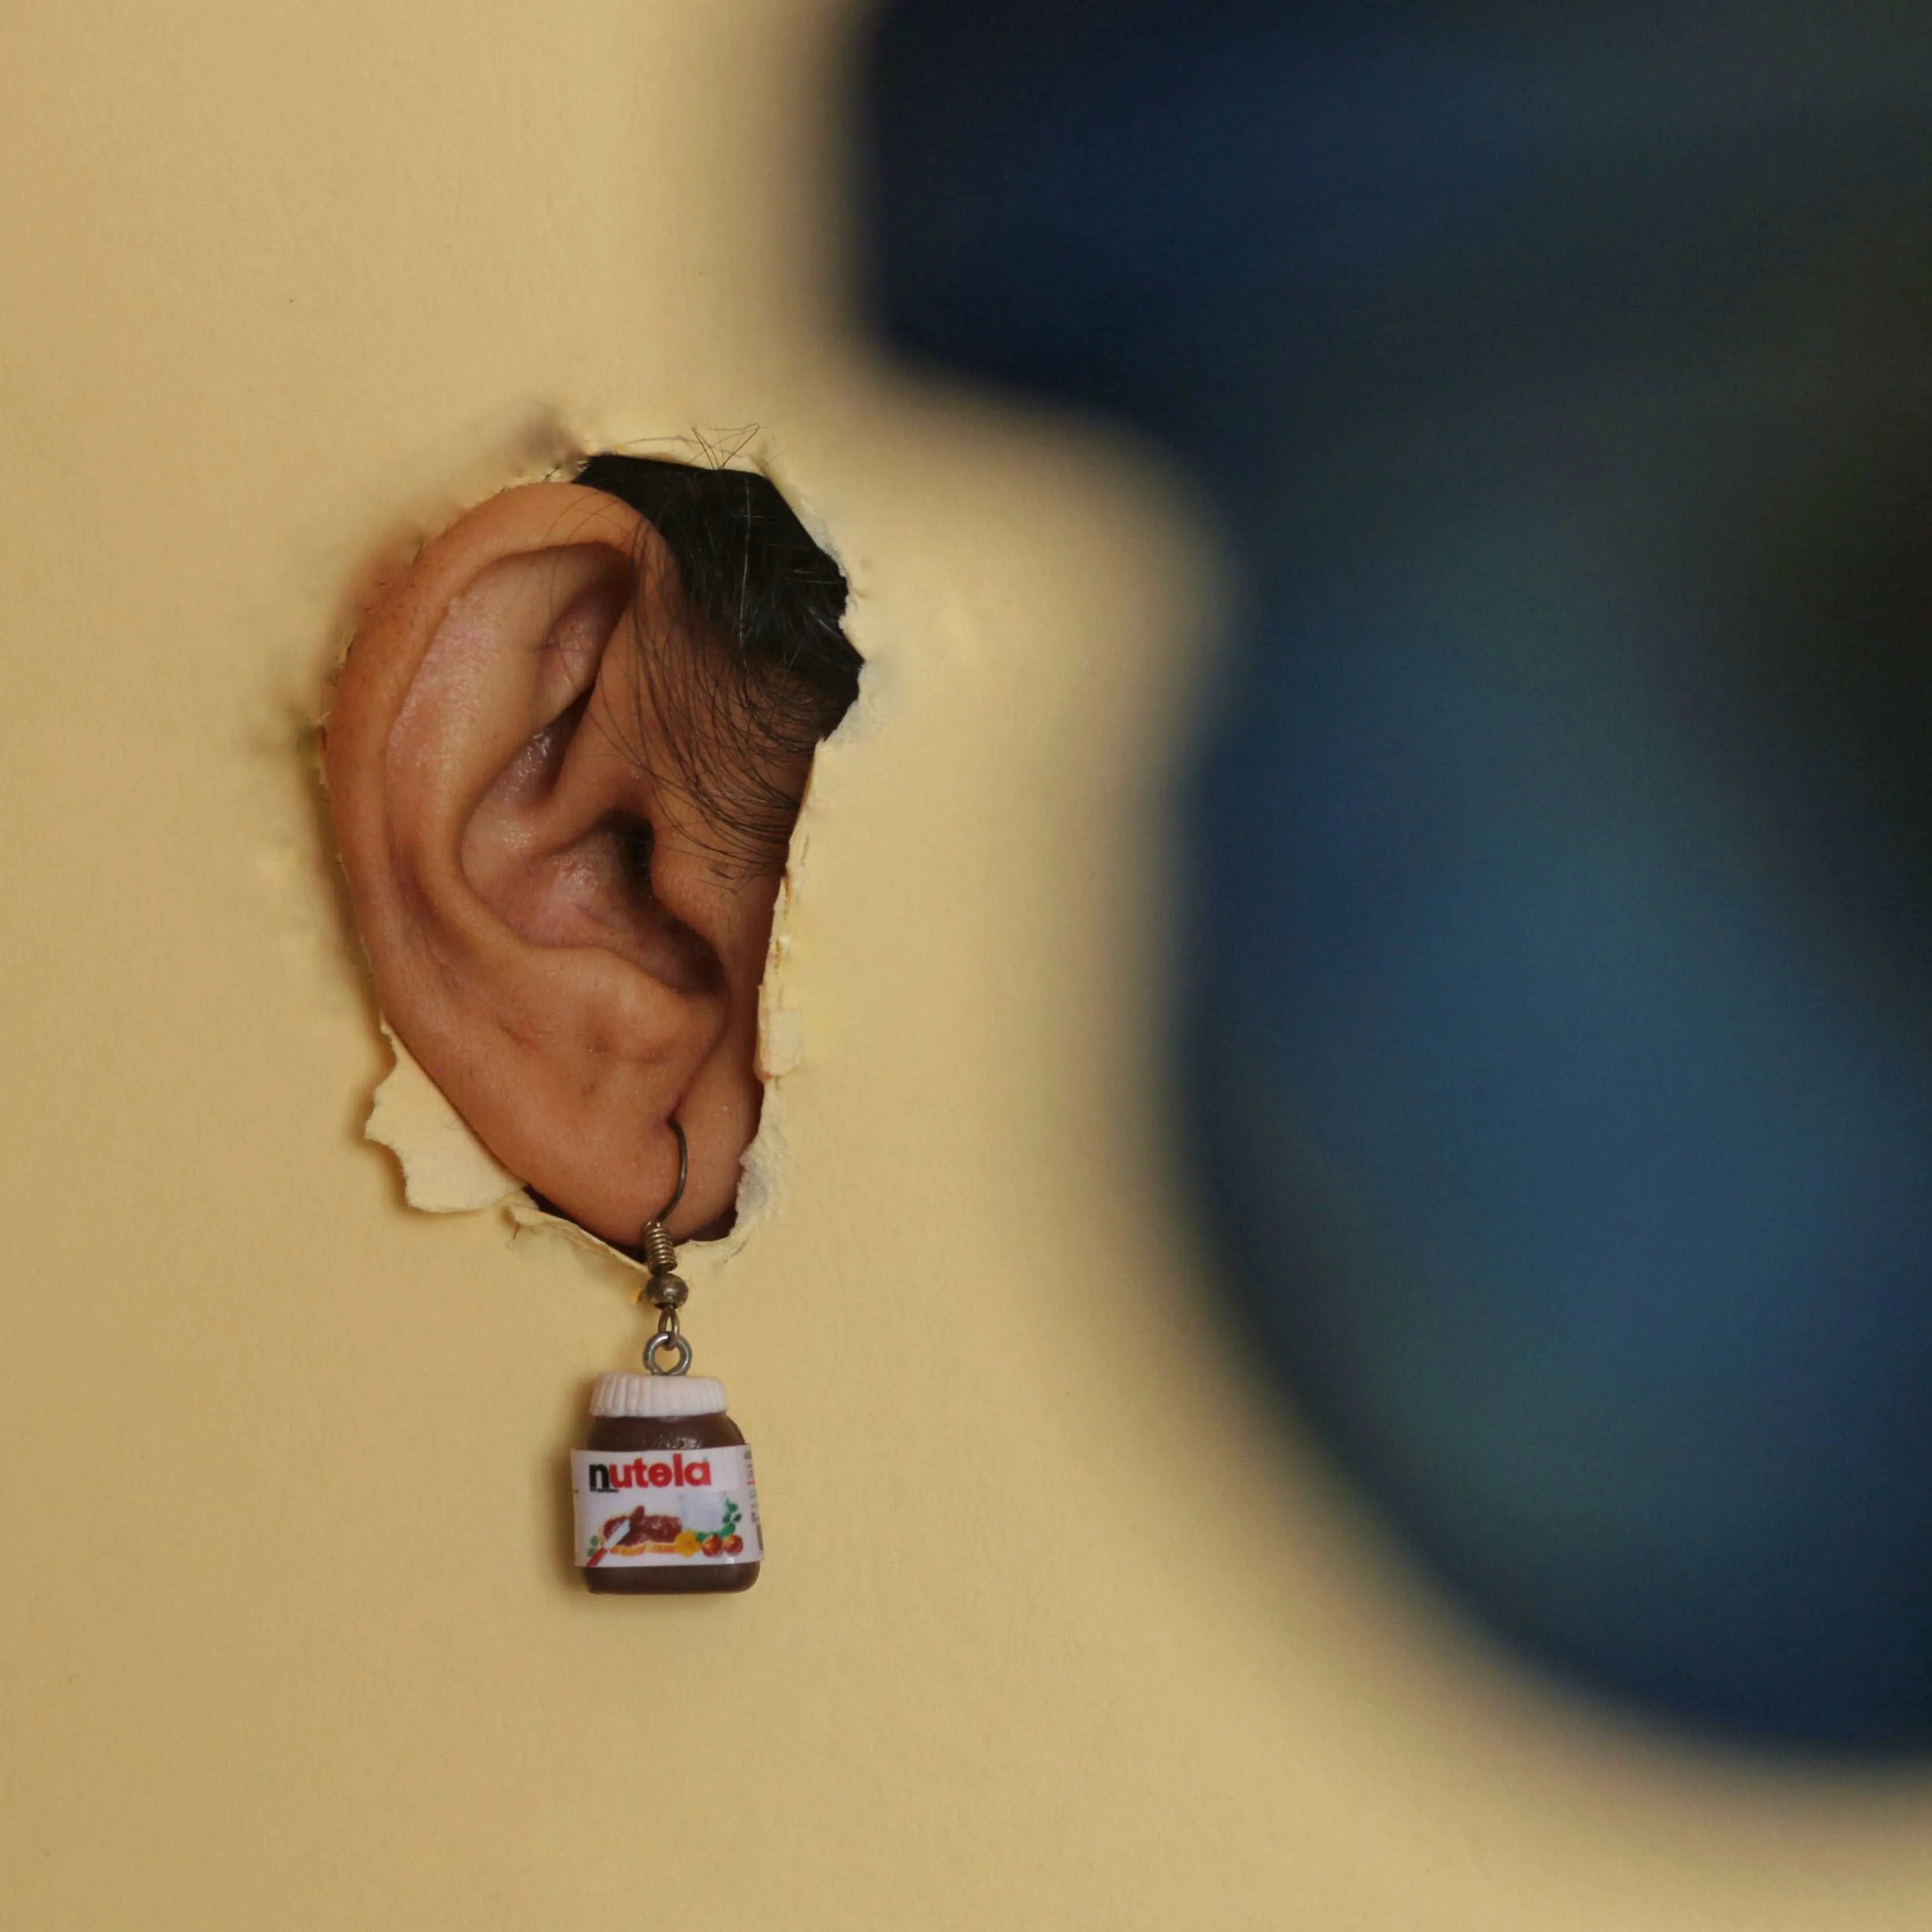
(1557, 1040)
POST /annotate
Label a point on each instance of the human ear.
(548, 927)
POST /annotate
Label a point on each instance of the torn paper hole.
(447, 1170)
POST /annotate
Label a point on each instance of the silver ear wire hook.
(666, 1290)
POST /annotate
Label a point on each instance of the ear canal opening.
(634, 840)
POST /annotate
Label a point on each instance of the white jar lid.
(660, 1395)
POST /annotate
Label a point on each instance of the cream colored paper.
(446, 1169)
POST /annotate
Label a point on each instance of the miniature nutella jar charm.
(664, 1494)
(663, 1497)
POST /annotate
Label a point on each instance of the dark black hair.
(770, 670)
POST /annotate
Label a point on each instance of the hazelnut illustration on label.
(656, 1509)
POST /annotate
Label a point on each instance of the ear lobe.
(545, 929)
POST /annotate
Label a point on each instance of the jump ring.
(657, 1344)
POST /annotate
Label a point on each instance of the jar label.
(638, 1507)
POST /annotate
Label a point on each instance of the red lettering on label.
(676, 1474)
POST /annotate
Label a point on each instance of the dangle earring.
(664, 1498)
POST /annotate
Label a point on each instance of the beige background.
(1058, 1630)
